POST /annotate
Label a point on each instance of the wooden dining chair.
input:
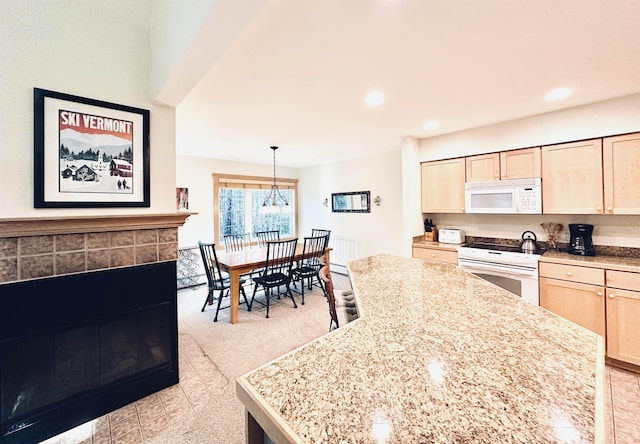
(236, 242)
(309, 264)
(342, 305)
(276, 271)
(267, 236)
(216, 280)
(315, 232)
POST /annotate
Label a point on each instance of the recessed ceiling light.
(431, 125)
(558, 94)
(374, 98)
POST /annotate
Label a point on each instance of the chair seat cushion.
(271, 280)
(226, 283)
(305, 271)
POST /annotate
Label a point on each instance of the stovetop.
(494, 247)
(497, 254)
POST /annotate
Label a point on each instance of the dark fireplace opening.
(75, 347)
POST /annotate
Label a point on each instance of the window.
(238, 200)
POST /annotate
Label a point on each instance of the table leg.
(234, 296)
(327, 259)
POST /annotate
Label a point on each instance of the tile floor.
(622, 403)
(200, 382)
(146, 418)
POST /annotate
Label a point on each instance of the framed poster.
(182, 199)
(89, 153)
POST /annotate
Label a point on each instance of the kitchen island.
(437, 355)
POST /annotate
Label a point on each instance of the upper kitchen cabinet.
(572, 178)
(621, 158)
(483, 167)
(443, 186)
(513, 164)
(520, 164)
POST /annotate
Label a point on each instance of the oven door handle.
(472, 266)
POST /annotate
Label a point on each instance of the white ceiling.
(296, 75)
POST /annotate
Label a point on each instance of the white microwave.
(511, 196)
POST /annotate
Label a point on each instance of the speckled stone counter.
(622, 263)
(438, 355)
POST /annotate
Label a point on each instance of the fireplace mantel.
(41, 247)
(36, 226)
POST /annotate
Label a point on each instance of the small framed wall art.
(89, 153)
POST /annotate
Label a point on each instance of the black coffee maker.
(580, 242)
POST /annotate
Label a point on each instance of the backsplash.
(609, 231)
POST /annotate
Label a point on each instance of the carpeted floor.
(221, 352)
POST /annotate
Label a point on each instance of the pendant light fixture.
(270, 204)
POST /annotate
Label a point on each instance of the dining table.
(236, 263)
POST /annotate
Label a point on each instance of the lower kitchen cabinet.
(623, 316)
(581, 303)
(436, 255)
(603, 300)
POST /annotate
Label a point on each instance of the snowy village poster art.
(89, 153)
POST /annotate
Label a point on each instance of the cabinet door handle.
(569, 273)
(612, 295)
(598, 209)
(433, 255)
(599, 293)
(609, 209)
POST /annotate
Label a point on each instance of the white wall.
(196, 174)
(616, 116)
(610, 117)
(89, 49)
(380, 231)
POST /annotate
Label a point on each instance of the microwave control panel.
(529, 200)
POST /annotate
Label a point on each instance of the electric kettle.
(529, 245)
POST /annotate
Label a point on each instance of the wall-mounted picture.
(89, 153)
(182, 199)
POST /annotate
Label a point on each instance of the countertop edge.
(608, 262)
(436, 245)
(270, 421)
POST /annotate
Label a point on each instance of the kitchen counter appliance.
(503, 265)
(580, 242)
(451, 236)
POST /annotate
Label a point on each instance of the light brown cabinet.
(620, 160)
(483, 167)
(603, 300)
(436, 255)
(513, 164)
(623, 315)
(572, 178)
(575, 293)
(443, 186)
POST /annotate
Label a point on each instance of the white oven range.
(503, 265)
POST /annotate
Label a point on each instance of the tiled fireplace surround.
(42, 247)
(34, 248)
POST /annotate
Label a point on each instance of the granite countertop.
(435, 245)
(622, 263)
(437, 355)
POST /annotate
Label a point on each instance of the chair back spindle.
(267, 236)
(236, 242)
